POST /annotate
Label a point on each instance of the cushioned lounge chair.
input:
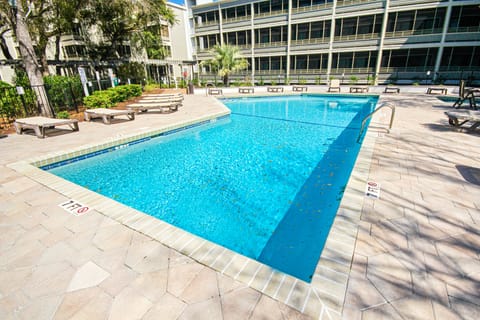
(40, 124)
(334, 85)
(107, 114)
(460, 117)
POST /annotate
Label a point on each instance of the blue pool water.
(265, 182)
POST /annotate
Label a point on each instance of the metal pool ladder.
(388, 104)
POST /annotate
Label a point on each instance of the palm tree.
(227, 59)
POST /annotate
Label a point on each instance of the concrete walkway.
(416, 253)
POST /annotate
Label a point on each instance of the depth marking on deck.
(372, 190)
(74, 207)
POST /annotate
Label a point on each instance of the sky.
(176, 1)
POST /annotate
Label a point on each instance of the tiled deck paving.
(416, 252)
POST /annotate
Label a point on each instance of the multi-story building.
(177, 62)
(316, 40)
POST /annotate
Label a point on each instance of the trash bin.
(190, 88)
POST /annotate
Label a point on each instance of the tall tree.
(15, 10)
(122, 21)
(227, 59)
(6, 23)
(50, 19)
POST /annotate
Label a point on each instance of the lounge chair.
(461, 117)
(334, 85)
(359, 89)
(168, 103)
(466, 94)
(40, 124)
(107, 114)
(162, 96)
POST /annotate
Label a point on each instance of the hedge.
(110, 97)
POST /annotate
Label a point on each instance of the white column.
(442, 41)
(220, 20)
(330, 43)
(289, 37)
(382, 38)
(252, 37)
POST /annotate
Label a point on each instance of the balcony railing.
(310, 41)
(312, 8)
(464, 29)
(271, 44)
(353, 37)
(354, 2)
(407, 33)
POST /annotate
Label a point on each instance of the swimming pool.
(260, 183)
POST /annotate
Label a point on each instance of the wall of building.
(314, 40)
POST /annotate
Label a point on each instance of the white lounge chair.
(162, 96)
(334, 85)
(40, 124)
(162, 102)
(460, 117)
(107, 114)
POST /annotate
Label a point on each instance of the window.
(302, 31)
(405, 21)
(241, 38)
(398, 58)
(430, 19)
(264, 63)
(361, 60)
(301, 62)
(349, 27)
(164, 32)
(276, 34)
(345, 60)
(366, 24)
(465, 16)
(314, 61)
(316, 30)
(275, 63)
(461, 57)
(231, 38)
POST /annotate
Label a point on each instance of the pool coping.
(323, 298)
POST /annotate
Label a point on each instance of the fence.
(18, 102)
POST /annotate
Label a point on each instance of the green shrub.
(63, 92)
(10, 103)
(99, 99)
(63, 115)
(108, 98)
(353, 79)
(151, 86)
(302, 81)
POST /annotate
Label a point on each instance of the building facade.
(312, 41)
(177, 62)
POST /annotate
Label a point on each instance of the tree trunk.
(31, 64)
(225, 80)
(4, 47)
(58, 68)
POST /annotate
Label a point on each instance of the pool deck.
(414, 253)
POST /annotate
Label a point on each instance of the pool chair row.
(162, 102)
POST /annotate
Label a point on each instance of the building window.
(409, 58)
(465, 17)
(461, 57)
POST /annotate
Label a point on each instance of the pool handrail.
(388, 104)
